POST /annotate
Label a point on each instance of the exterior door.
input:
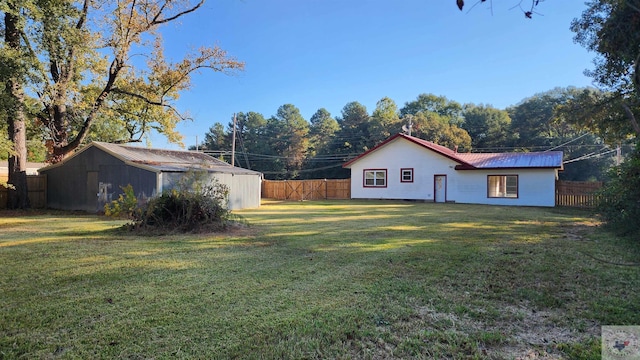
(440, 188)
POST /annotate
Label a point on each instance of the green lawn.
(339, 279)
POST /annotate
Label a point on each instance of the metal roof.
(161, 160)
(170, 160)
(478, 161)
(547, 159)
(160, 156)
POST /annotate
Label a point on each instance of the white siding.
(394, 156)
(536, 187)
(244, 189)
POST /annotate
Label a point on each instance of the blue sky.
(326, 53)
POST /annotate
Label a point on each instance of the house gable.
(389, 162)
(432, 147)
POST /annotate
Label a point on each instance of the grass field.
(340, 279)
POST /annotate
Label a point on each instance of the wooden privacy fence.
(37, 185)
(580, 194)
(324, 189)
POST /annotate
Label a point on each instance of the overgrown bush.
(194, 205)
(125, 206)
(620, 207)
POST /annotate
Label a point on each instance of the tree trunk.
(18, 195)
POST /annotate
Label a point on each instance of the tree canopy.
(286, 146)
(610, 29)
(79, 62)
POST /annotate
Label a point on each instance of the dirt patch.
(536, 335)
(579, 231)
(527, 334)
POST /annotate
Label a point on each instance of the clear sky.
(326, 53)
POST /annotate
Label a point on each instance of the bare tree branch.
(83, 16)
(527, 13)
(179, 14)
(148, 101)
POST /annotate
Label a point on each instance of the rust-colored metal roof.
(477, 161)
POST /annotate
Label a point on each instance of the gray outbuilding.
(95, 175)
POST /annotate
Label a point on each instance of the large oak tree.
(78, 59)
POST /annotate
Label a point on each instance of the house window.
(375, 178)
(502, 186)
(406, 175)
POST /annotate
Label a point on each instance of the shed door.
(92, 190)
(440, 191)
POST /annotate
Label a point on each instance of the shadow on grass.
(339, 278)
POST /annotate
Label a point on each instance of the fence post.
(326, 191)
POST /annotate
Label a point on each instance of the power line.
(589, 156)
(301, 171)
(568, 142)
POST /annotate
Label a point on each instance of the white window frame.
(503, 186)
(407, 171)
(374, 178)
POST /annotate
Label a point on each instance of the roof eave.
(460, 167)
(141, 166)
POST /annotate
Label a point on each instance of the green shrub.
(125, 206)
(620, 207)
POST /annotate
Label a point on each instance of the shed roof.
(162, 160)
(480, 161)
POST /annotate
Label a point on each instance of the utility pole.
(233, 142)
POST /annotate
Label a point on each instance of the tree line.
(287, 146)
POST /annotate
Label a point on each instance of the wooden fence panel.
(338, 189)
(306, 189)
(37, 185)
(580, 194)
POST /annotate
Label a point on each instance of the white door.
(440, 191)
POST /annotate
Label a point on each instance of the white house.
(408, 168)
(32, 168)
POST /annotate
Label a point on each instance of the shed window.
(502, 186)
(406, 175)
(375, 178)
